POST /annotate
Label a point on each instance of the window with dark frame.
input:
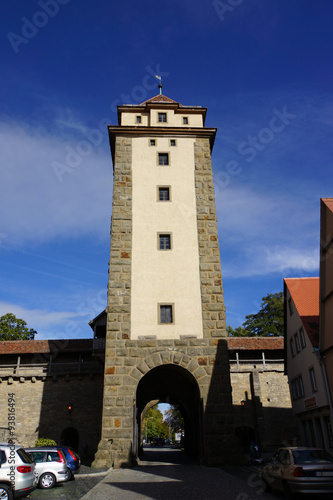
(302, 337)
(163, 158)
(297, 344)
(164, 194)
(185, 120)
(162, 117)
(313, 379)
(138, 119)
(166, 314)
(152, 142)
(164, 241)
(172, 142)
(291, 309)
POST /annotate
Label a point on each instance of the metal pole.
(149, 418)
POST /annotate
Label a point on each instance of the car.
(73, 461)
(300, 470)
(17, 472)
(51, 465)
(157, 441)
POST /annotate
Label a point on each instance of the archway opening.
(70, 437)
(177, 387)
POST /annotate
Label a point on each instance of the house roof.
(328, 202)
(45, 346)
(255, 343)
(159, 98)
(305, 295)
(73, 345)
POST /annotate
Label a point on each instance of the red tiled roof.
(255, 343)
(329, 203)
(159, 98)
(39, 346)
(305, 295)
(49, 346)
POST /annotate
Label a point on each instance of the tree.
(267, 322)
(153, 425)
(174, 419)
(12, 328)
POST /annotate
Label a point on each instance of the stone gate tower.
(166, 332)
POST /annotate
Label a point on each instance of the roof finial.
(160, 85)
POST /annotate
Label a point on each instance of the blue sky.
(264, 71)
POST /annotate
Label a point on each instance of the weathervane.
(160, 84)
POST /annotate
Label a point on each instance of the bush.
(45, 442)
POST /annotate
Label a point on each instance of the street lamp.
(149, 418)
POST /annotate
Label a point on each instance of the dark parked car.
(157, 441)
(300, 470)
(73, 461)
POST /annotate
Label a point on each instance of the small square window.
(163, 158)
(138, 119)
(152, 142)
(164, 194)
(166, 314)
(185, 120)
(172, 142)
(164, 241)
(162, 117)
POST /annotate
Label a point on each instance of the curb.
(90, 494)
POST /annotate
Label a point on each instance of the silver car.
(51, 465)
(17, 472)
(300, 470)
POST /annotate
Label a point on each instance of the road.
(166, 473)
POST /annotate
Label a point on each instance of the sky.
(264, 71)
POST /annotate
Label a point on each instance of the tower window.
(164, 194)
(138, 119)
(185, 120)
(163, 158)
(164, 241)
(152, 142)
(162, 117)
(166, 315)
(172, 142)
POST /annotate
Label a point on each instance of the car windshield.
(312, 457)
(24, 456)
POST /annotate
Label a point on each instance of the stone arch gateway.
(165, 313)
(173, 384)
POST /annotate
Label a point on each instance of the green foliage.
(267, 322)
(174, 419)
(12, 328)
(45, 442)
(153, 424)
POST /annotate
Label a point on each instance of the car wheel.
(47, 480)
(70, 475)
(287, 491)
(6, 492)
(266, 486)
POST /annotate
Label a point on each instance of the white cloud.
(261, 234)
(37, 206)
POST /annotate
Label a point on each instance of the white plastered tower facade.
(165, 311)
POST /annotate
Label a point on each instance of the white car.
(51, 465)
(17, 472)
